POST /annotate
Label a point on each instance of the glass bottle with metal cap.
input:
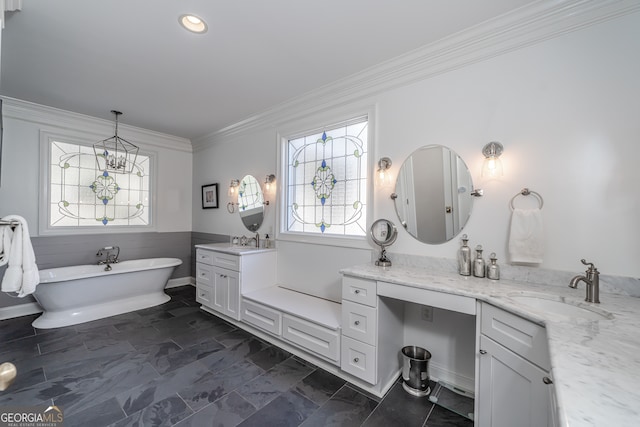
(464, 257)
(493, 270)
(478, 264)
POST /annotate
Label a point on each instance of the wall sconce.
(233, 195)
(382, 176)
(268, 182)
(492, 166)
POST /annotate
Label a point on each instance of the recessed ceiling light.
(193, 23)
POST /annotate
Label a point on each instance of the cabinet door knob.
(483, 351)
(547, 380)
(357, 322)
(356, 360)
(357, 291)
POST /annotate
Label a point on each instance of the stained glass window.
(327, 181)
(82, 195)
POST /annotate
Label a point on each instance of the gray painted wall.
(63, 251)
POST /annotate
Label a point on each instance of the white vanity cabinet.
(370, 341)
(514, 381)
(223, 273)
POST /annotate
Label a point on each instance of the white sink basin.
(557, 306)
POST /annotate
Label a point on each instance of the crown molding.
(525, 26)
(62, 119)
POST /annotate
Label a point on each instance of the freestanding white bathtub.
(78, 294)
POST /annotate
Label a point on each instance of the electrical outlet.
(427, 313)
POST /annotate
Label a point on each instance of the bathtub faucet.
(110, 258)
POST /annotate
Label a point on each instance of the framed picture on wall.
(210, 196)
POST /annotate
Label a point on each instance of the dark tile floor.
(177, 365)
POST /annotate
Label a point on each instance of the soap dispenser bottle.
(267, 242)
(493, 270)
(478, 264)
(464, 257)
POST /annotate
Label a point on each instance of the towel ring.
(526, 192)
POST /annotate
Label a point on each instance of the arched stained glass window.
(327, 180)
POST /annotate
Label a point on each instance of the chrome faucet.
(592, 281)
(256, 239)
(110, 258)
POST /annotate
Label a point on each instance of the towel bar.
(526, 192)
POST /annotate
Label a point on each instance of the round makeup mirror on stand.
(383, 233)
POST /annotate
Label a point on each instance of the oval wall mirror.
(383, 233)
(250, 203)
(433, 194)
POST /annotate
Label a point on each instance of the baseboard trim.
(20, 310)
(180, 281)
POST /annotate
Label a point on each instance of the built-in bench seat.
(306, 321)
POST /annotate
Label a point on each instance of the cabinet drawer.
(232, 262)
(359, 322)
(205, 257)
(358, 359)
(203, 295)
(262, 317)
(204, 274)
(314, 338)
(521, 336)
(358, 290)
(219, 259)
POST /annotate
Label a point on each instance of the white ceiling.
(92, 56)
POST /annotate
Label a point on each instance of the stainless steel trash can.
(415, 370)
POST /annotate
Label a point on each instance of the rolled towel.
(526, 239)
(22, 274)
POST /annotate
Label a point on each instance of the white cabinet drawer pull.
(357, 322)
(356, 360)
(357, 291)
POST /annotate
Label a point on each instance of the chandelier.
(115, 154)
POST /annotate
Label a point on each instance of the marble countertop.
(234, 249)
(595, 363)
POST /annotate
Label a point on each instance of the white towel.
(22, 274)
(526, 240)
